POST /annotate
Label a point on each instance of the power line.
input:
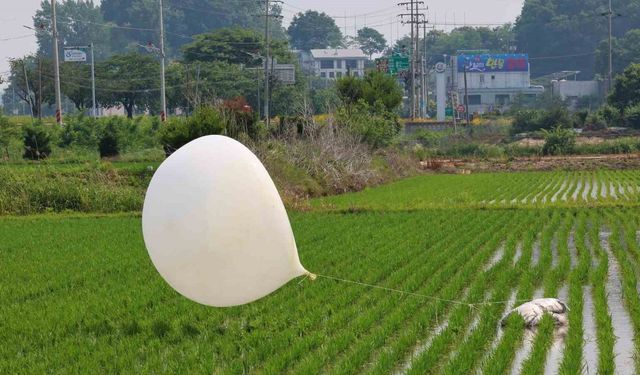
(17, 37)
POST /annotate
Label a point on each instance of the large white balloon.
(215, 226)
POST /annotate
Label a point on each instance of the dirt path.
(538, 163)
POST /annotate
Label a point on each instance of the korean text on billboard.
(493, 63)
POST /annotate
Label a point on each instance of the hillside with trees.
(565, 34)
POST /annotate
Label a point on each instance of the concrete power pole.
(93, 84)
(56, 63)
(267, 46)
(163, 97)
(414, 20)
(268, 59)
(610, 78)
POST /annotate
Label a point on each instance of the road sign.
(461, 108)
(448, 111)
(441, 67)
(75, 55)
(398, 63)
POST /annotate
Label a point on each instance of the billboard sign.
(75, 55)
(493, 63)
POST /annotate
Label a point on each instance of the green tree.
(438, 43)
(37, 75)
(626, 89)
(371, 41)
(373, 88)
(190, 85)
(570, 28)
(79, 23)
(131, 80)
(138, 20)
(313, 30)
(234, 46)
(626, 50)
(75, 84)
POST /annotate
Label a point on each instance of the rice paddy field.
(449, 256)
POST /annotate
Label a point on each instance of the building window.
(482, 79)
(327, 64)
(331, 75)
(323, 75)
(339, 74)
(356, 74)
(475, 100)
(502, 99)
(352, 64)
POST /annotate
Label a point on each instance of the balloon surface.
(215, 226)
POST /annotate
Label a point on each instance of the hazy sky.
(16, 41)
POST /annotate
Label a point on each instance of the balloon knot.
(312, 276)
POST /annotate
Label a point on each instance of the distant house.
(493, 81)
(333, 63)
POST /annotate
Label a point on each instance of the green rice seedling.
(342, 318)
(605, 337)
(624, 246)
(469, 352)
(544, 338)
(399, 350)
(427, 362)
(455, 286)
(572, 361)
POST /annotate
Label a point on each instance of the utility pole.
(267, 58)
(424, 110)
(466, 96)
(452, 94)
(56, 64)
(93, 83)
(39, 87)
(267, 46)
(610, 83)
(163, 97)
(414, 20)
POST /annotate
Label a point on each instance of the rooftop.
(338, 53)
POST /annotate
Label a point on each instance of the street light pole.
(163, 97)
(56, 64)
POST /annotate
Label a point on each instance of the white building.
(492, 81)
(333, 63)
(573, 90)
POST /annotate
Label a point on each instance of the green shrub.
(37, 142)
(80, 131)
(579, 119)
(559, 141)
(109, 141)
(9, 132)
(429, 138)
(611, 115)
(525, 121)
(374, 124)
(595, 121)
(534, 120)
(178, 131)
(632, 116)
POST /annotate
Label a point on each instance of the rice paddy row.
(486, 190)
